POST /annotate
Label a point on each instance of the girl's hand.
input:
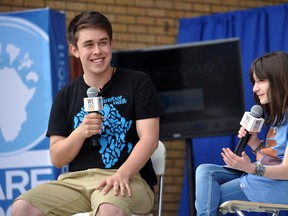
(242, 163)
(254, 141)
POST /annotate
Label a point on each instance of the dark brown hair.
(87, 19)
(273, 67)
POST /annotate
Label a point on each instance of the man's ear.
(74, 50)
(112, 44)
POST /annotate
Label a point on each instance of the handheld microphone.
(93, 103)
(252, 122)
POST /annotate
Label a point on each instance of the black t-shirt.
(127, 97)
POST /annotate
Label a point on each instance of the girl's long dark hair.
(273, 67)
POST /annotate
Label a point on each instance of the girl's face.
(261, 89)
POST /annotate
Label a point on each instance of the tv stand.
(191, 176)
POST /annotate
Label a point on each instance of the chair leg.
(276, 213)
(238, 211)
(160, 198)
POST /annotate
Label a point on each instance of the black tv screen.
(199, 84)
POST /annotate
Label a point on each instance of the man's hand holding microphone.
(93, 121)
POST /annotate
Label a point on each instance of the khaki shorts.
(75, 192)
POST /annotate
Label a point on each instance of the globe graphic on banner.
(24, 77)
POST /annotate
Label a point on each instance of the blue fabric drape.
(261, 30)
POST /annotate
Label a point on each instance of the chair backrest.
(158, 159)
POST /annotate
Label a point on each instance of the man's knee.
(109, 209)
(23, 208)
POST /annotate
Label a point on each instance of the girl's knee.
(205, 169)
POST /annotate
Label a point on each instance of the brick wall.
(145, 23)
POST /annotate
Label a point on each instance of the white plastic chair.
(238, 206)
(158, 160)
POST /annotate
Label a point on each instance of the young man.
(115, 177)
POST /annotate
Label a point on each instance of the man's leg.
(24, 208)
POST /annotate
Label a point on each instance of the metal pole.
(191, 176)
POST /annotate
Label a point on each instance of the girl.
(265, 180)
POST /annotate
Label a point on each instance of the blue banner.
(33, 67)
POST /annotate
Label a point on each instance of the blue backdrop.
(261, 30)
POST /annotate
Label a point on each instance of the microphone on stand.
(93, 103)
(252, 122)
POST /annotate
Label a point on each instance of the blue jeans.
(216, 184)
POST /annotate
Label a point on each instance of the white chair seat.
(238, 206)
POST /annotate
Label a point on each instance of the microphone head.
(256, 111)
(92, 92)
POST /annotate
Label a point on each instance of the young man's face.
(94, 50)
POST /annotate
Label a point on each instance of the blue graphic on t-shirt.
(114, 130)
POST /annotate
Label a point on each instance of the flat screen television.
(199, 84)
